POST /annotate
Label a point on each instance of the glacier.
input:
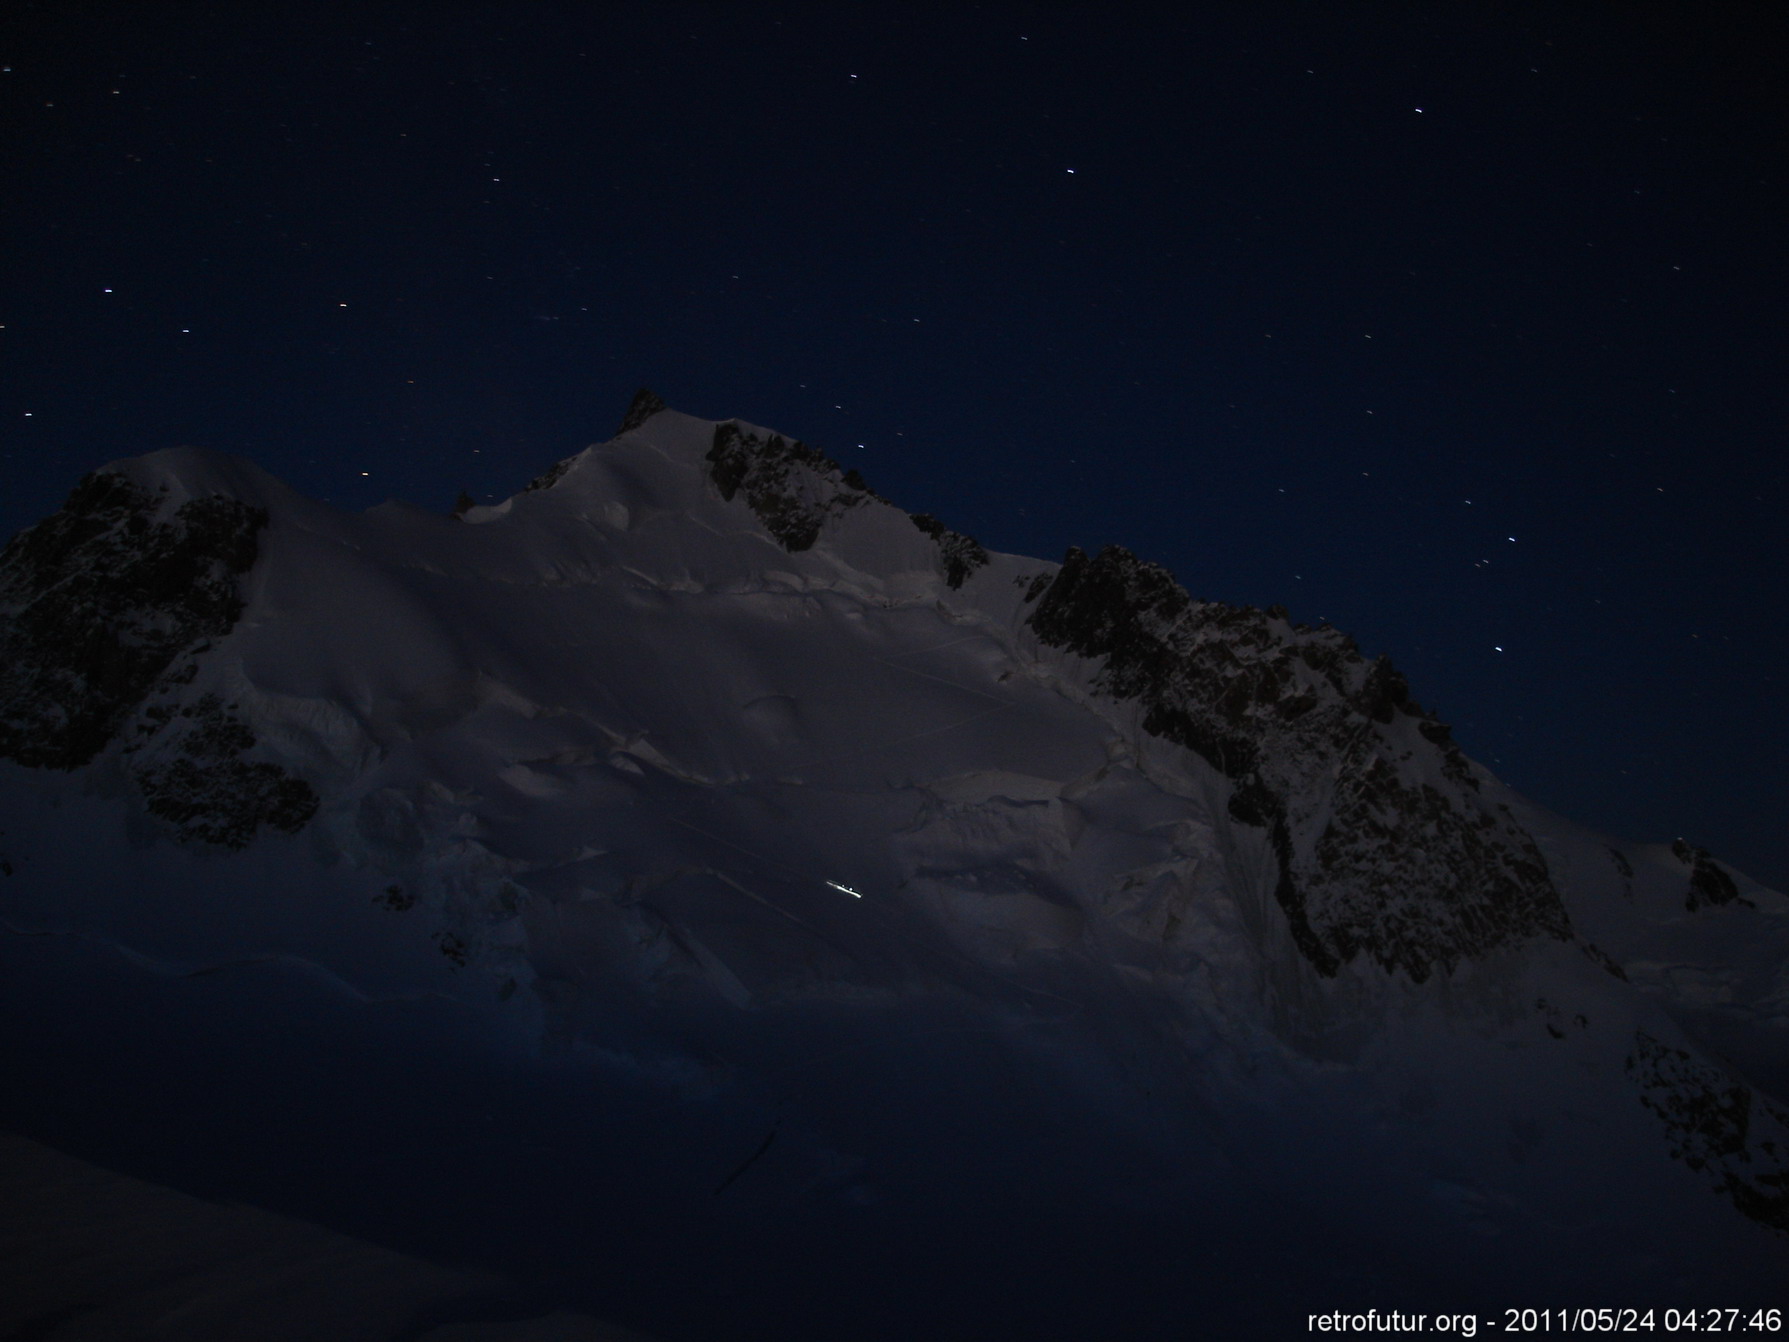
(699, 892)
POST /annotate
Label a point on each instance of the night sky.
(1458, 326)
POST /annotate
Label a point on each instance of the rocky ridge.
(1385, 846)
(795, 490)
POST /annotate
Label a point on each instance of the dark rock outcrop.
(960, 554)
(202, 786)
(97, 601)
(644, 406)
(105, 609)
(1708, 883)
(1717, 1127)
(549, 477)
(1385, 847)
(793, 488)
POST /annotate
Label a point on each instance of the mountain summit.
(1040, 914)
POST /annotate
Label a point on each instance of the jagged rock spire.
(644, 406)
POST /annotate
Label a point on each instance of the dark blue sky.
(1314, 304)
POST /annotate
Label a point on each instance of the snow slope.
(703, 890)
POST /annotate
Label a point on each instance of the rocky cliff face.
(1717, 1126)
(644, 406)
(105, 609)
(961, 555)
(1384, 845)
(98, 601)
(793, 488)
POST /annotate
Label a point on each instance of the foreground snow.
(89, 1253)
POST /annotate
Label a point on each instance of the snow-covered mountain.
(699, 889)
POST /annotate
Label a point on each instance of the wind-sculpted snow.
(1384, 844)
